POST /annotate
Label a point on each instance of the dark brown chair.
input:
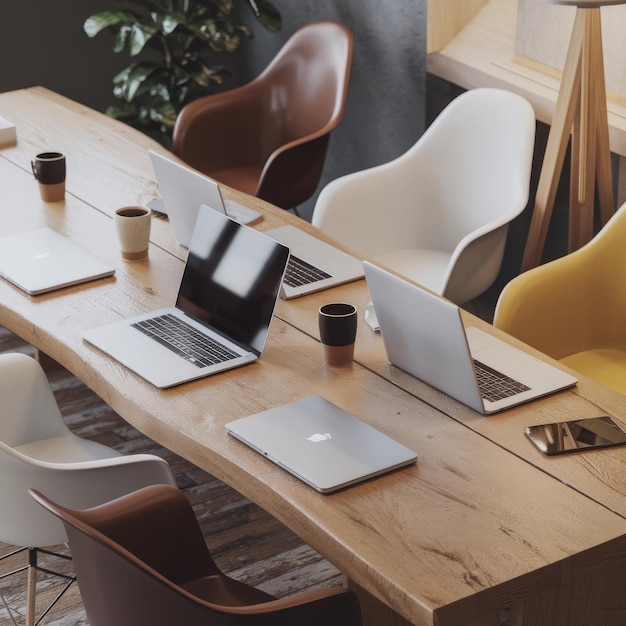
(142, 560)
(269, 137)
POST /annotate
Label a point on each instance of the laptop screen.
(232, 278)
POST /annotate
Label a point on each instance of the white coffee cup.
(133, 231)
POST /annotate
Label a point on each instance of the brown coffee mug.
(49, 169)
(337, 325)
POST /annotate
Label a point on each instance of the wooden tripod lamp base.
(580, 110)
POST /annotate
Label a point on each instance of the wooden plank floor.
(246, 542)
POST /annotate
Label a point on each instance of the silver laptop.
(183, 190)
(321, 444)
(222, 314)
(314, 264)
(424, 335)
(43, 260)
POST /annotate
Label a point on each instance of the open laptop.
(222, 314)
(424, 335)
(43, 260)
(183, 190)
(314, 264)
(321, 444)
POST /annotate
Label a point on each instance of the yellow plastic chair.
(574, 308)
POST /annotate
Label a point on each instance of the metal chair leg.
(32, 568)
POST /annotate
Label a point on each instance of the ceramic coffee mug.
(337, 324)
(49, 169)
(133, 231)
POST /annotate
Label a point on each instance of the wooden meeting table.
(482, 531)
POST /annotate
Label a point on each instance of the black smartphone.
(589, 433)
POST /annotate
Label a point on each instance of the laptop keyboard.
(300, 273)
(185, 340)
(494, 385)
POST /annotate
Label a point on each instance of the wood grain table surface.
(482, 527)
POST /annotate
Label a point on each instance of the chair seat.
(66, 449)
(606, 366)
(244, 179)
(226, 591)
(426, 267)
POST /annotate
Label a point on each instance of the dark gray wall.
(42, 43)
(385, 112)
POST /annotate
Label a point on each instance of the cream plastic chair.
(38, 450)
(439, 214)
(574, 308)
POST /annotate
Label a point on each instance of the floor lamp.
(580, 110)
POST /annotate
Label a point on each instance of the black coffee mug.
(49, 168)
(337, 324)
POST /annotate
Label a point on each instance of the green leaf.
(125, 111)
(218, 39)
(266, 13)
(139, 35)
(224, 6)
(164, 113)
(119, 43)
(170, 22)
(214, 8)
(205, 76)
(108, 19)
(129, 81)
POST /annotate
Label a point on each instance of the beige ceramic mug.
(133, 231)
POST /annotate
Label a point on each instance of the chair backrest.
(37, 449)
(117, 586)
(269, 137)
(29, 409)
(302, 92)
(141, 560)
(473, 164)
(29, 413)
(574, 303)
(469, 169)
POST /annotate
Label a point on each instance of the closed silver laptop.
(321, 444)
(424, 335)
(43, 260)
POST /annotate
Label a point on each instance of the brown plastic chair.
(269, 137)
(142, 560)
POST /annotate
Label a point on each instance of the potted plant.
(173, 44)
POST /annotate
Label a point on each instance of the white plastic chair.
(439, 213)
(38, 450)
